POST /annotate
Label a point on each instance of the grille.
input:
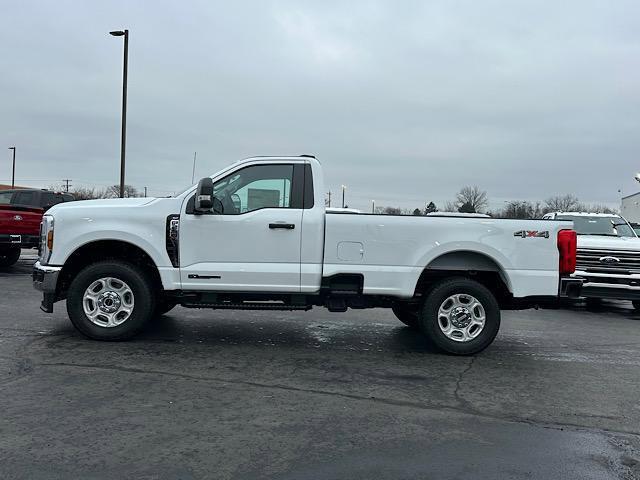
(589, 260)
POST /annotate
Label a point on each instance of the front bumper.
(614, 286)
(45, 279)
(23, 241)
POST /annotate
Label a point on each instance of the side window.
(50, 199)
(24, 198)
(255, 187)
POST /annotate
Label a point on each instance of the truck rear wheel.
(110, 301)
(460, 316)
(9, 255)
(407, 315)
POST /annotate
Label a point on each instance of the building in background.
(9, 187)
(630, 207)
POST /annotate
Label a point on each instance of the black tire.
(636, 304)
(430, 324)
(143, 300)
(163, 305)
(407, 315)
(9, 256)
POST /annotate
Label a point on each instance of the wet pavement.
(316, 395)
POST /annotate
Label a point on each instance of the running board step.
(247, 306)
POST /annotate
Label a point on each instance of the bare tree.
(450, 207)
(467, 208)
(595, 208)
(392, 211)
(114, 192)
(518, 209)
(473, 196)
(86, 193)
(561, 203)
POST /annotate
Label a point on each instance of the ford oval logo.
(17, 218)
(609, 260)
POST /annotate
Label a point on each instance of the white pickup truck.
(608, 258)
(257, 236)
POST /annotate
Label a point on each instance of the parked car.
(257, 236)
(21, 212)
(608, 257)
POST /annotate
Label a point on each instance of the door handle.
(285, 226)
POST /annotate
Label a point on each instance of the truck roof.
(586, 214)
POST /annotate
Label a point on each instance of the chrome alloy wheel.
(108, 302)
(461, 317)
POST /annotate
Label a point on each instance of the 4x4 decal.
(531, 234)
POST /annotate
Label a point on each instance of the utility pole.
(66, 181)
(344, 187)
(13, 171)
(123, 137)
(373, 206)
(329, 193)
(145, 191)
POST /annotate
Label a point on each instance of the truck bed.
(392, 251)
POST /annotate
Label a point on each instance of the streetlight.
(344, 187)
(13, 171)
(123, 138)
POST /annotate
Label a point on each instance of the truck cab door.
(250, 241)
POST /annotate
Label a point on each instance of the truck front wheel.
(460, 316)
(110, 301)
(9, 255)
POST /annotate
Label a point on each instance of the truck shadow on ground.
(171, 329)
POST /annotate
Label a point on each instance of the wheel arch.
(470, 264)
(109, 249)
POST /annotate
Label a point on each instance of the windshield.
(604, 226)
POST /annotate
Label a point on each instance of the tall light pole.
(344, 187)
(13, 170)
(123, 138)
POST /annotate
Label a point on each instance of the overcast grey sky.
(402, 101)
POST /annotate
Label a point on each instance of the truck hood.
(609, 243)
(107, 202)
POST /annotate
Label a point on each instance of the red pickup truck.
(20, 216)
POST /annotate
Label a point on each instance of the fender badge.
(17, 218)
(531, 234)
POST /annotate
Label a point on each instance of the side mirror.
(204, 196)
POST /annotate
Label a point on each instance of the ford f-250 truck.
(608, 255)
(257, 236)
(20, 217)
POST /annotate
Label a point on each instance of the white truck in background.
(257, 236)
(608, 256)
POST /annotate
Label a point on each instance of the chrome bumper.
(45, 279)
(615, 286)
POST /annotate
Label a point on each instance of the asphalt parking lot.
(223, 394)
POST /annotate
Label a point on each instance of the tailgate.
(19, 220)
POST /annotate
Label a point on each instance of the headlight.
(46, 239)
